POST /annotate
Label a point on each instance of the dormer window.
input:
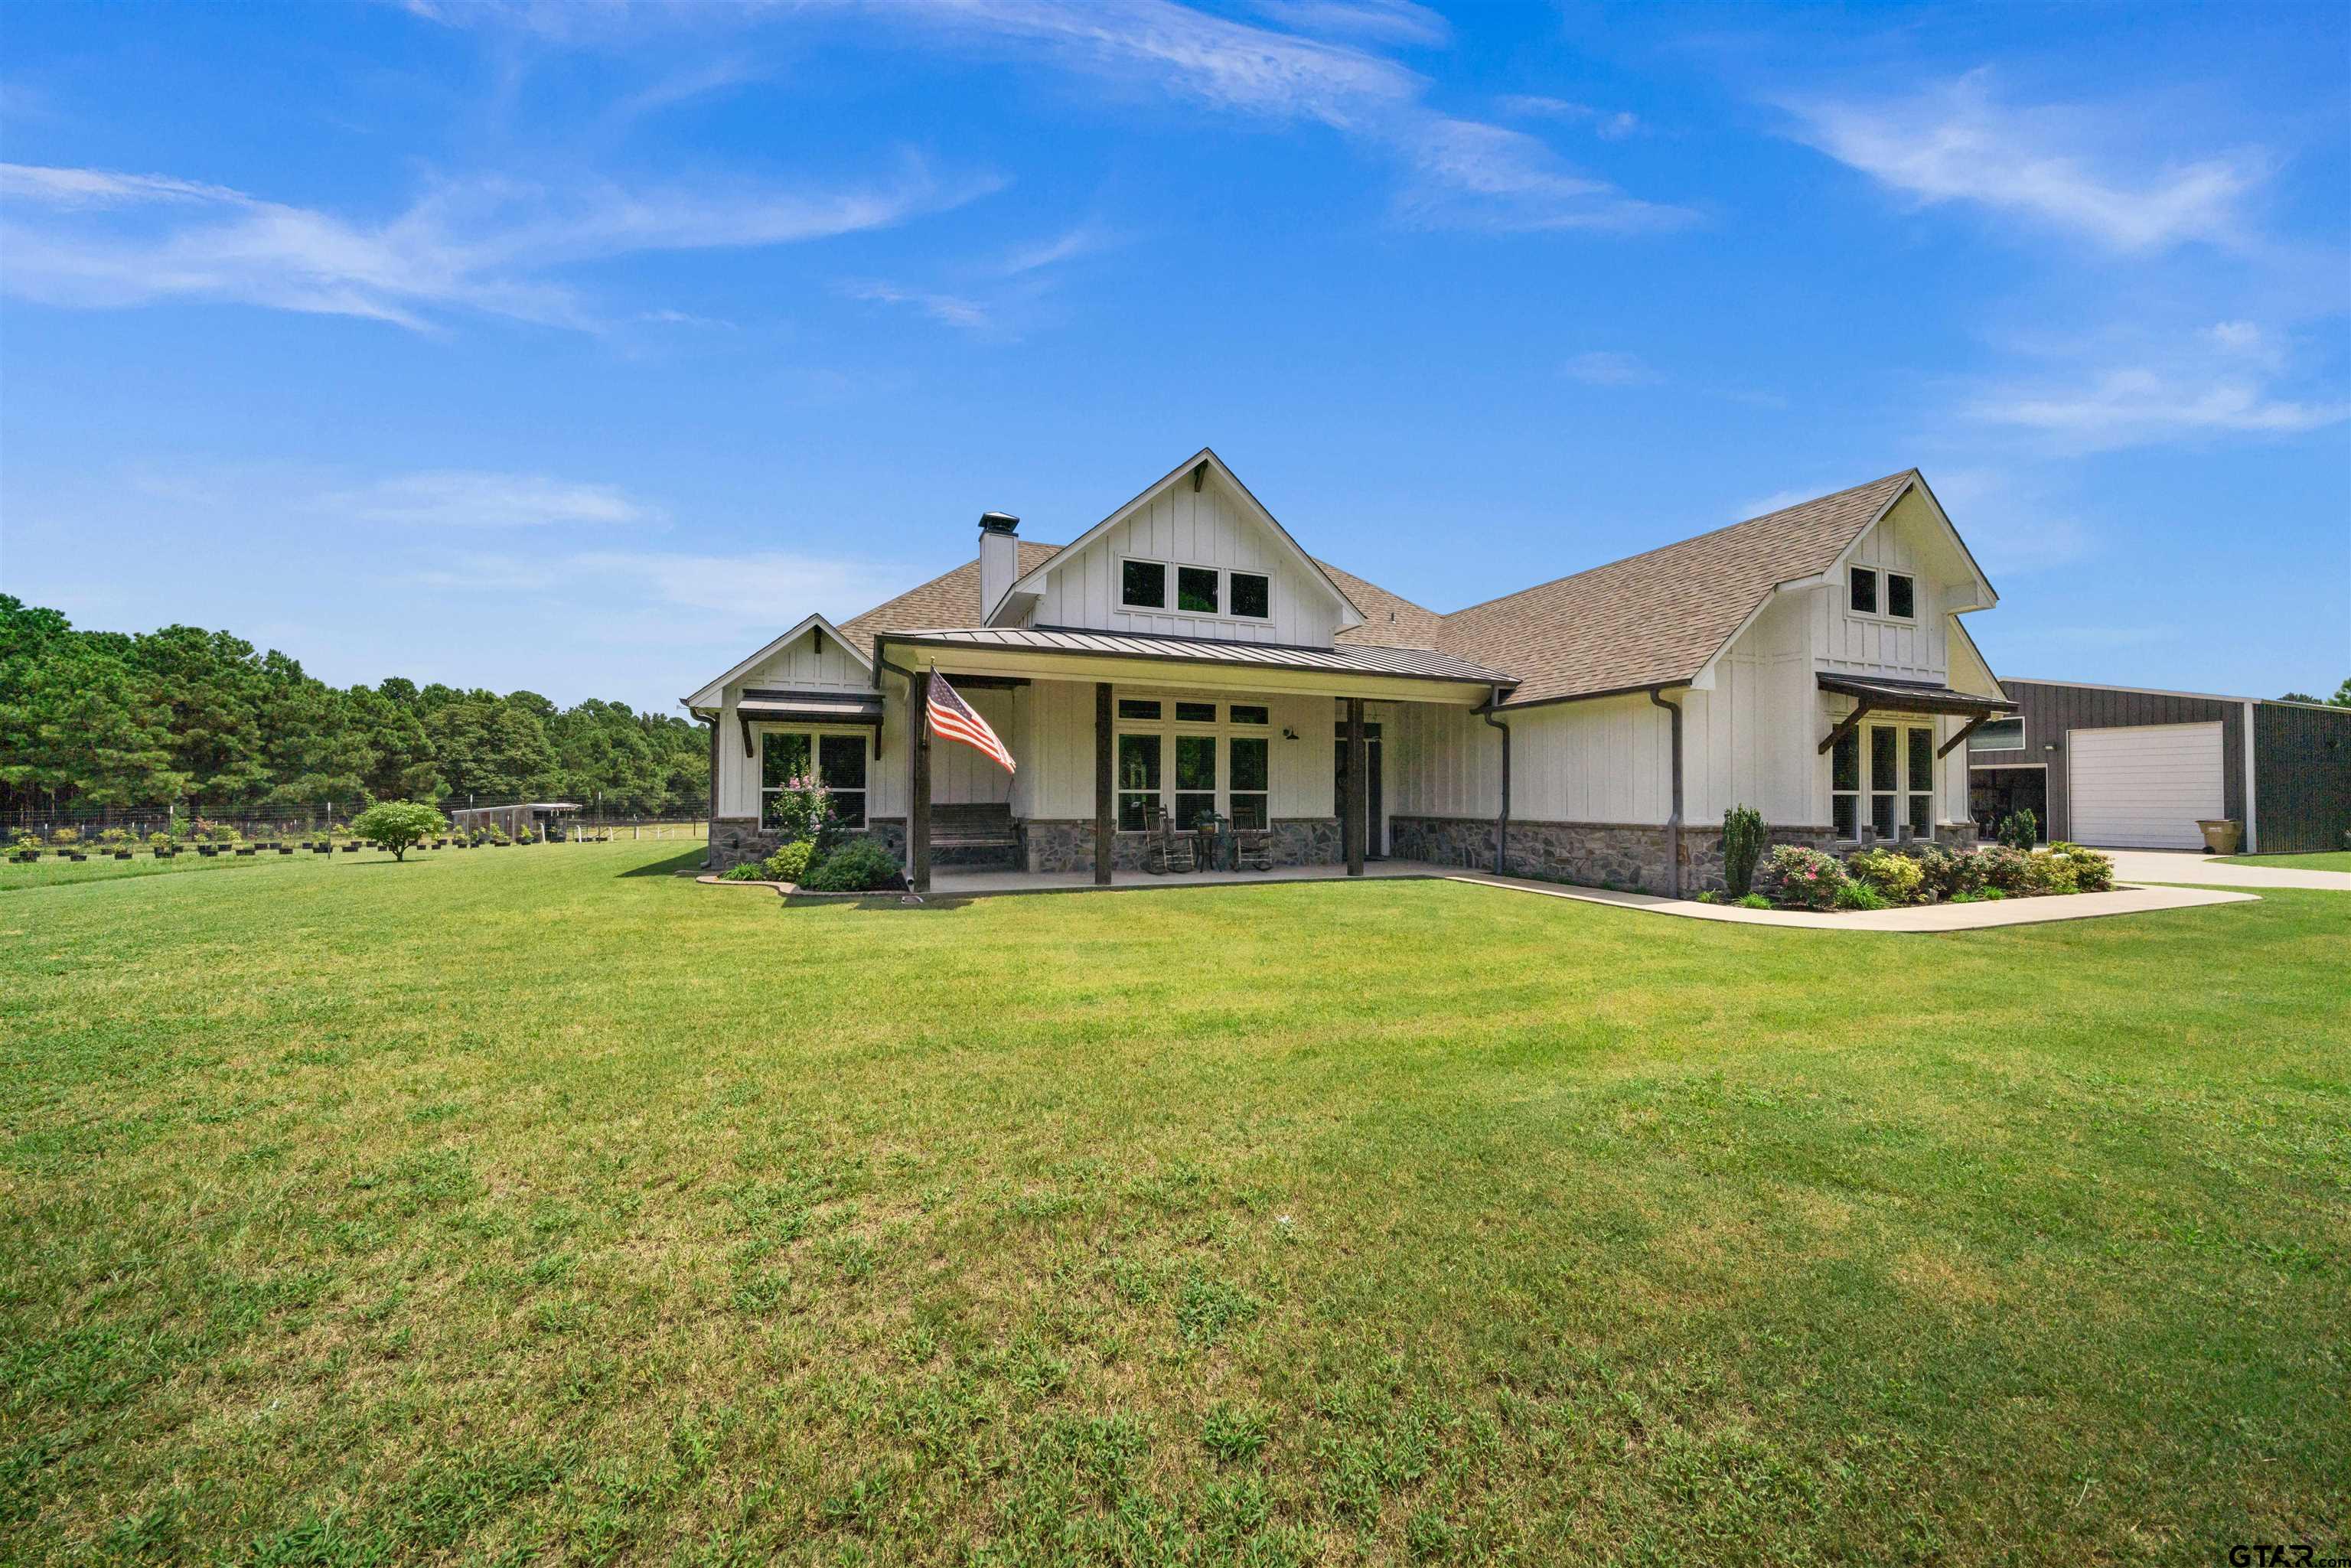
(1900, 597)
(1862, 593)
(1142, 585)
(1252, 595)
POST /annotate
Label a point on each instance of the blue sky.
(582, 349)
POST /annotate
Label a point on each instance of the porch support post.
(918, 788)
(1357, 827)
(1104, 823)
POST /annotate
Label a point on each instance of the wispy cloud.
(468, 499)
(2136, 406)
(98, 238)
(1379, 21)
(1458, 173)
(2068, 168)
(1607, 368)
(951, 310)
(1609, 125)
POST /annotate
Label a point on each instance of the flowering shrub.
(801, 810)
(1798, 878)
(1894, 877)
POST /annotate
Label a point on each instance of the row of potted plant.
(67, 846)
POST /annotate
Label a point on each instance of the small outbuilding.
(524, 819)
(2131, 768)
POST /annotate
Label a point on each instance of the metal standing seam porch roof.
(1920, 696)
(1343, 658)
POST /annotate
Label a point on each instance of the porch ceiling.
(1048, 653)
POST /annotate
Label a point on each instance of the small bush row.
(1793, 877)
(857, 865)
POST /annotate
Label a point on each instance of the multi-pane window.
(1247, 784)
(1196, 780)
(1196, 713)
(1901, 596)
(1862, 590)
(1199, 590)
(1249, 713)
(1138, 782)
(1136, 707)
(838, 765)
(1895, 788)
(1250, 594)
(1142, 584)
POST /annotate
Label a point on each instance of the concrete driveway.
(2179, 866)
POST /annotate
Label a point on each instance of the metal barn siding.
(2302, 778)
(2050, 710)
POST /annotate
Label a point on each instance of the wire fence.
(141, 824)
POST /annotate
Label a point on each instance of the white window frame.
(1904, 790)
(1885, 587)
(1883, 593)
(1171, 598)
(1877, 590)
(1224, 732)
(816, 733)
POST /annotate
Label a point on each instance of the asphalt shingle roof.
(1653, 619)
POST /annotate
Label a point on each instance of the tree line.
(203, 721)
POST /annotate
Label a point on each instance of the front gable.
(1200, 516)
(813, 656)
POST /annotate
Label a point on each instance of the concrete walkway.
(2179, 865)
(953, 886)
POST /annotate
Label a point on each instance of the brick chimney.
(999, 560)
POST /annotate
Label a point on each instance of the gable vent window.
(1900, 600)
(1864, 592)
(1252, 595)
(1195, 590)
(1142, 584)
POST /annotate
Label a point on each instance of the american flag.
(953, 718)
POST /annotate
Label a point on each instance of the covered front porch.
(1112, 734)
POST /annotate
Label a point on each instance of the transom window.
(1998, 735)
(1199, 590)
(1891, 776)
(839, 767)
(1901, 601)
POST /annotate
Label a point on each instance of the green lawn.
(2316, 860)
(542, 1205)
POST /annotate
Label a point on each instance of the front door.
(1375, 838)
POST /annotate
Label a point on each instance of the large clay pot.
(2222, 835)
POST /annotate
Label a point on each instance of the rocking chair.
(1252, 849)
(1166, 849)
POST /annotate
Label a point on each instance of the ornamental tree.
(397, 825)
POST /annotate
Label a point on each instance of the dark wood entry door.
(1375, 837)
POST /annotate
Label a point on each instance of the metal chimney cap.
(999, 523)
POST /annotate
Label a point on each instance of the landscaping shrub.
(1861, 895)
(1798, 878)
(1743, 839)
(114, 836)
(802, 810)
(2093, 872)
(1753, 901)
(790, 862)
(65, 837)
(858, 866)
(1894, 877)
(2020, 830)
(2009, 870)
(749, 871)
(2048, 874)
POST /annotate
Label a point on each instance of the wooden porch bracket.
(918, 788)
(1104, 825)
(1356, 828)
(1958, 740)
(1846, 725)
(745, 721)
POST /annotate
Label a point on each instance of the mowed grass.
(2316, 860)
(544, 1205)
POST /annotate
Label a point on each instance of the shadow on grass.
(691, 860)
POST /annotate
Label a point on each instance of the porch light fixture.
(1287, 733)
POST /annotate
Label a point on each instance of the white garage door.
(2145, 785)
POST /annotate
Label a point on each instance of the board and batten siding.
(2050, 711)
(2301, 776)
(1184, 527)
(1607, 760)
(1910, 540)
